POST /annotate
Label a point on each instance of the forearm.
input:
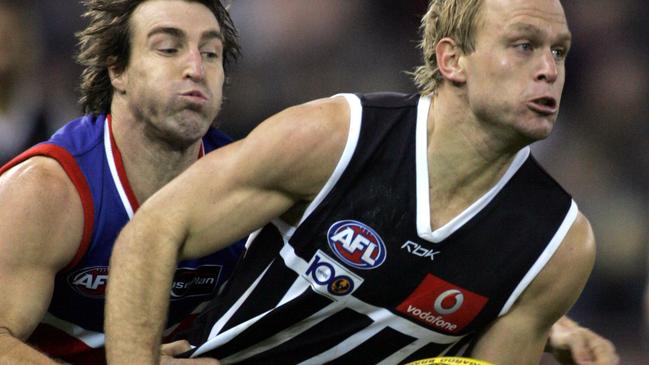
(528, 352)
(14, 351)
(141, 270)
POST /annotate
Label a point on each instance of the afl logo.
(449, 302)
(89, 281)
(356, 244)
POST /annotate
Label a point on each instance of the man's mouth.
(194, 94)
(544, 105)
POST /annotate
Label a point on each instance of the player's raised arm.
(224, 196)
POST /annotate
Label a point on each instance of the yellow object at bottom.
(449, 361)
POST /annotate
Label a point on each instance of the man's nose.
(547, 69)
(194, 66)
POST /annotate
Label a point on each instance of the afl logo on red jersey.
(356, 244)
(89, 281)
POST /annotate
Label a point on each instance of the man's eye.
(524, 46)
(168, 50)
(210, 55)
(559, 53)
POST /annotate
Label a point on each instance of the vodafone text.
(436, 321)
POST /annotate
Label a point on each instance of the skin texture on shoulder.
(285, 161)
(526, 326)
(36, 241)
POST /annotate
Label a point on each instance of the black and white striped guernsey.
(363, 279)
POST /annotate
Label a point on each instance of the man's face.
(516, 74)
(174, 78)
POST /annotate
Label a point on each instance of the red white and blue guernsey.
(72, 328)
(363, 278)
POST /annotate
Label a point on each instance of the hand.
(169, 350)
(571, 344)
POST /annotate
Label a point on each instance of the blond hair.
(456, 19)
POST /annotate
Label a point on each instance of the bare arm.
(526, 327)
(224, 196)
(36, 241)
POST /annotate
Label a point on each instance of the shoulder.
(561, 281)
(40, 175)
(81, 135)
(576, 252)
(304, 142)
(308, 128)
(41, 209)
(575, 257)
(389, 100)
(315, 119)
(548, 298)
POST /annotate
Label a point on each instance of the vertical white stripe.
(543, 259)
(108, 148)
(421, 163)
(355, 119)
(299, 285)
(356, 114)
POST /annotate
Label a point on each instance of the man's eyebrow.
(174, 32)
(529, 28)
(178, 33)
(211, 34)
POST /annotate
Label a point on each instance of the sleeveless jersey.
(363, 279)
(72, 328)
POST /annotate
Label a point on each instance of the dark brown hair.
(105, 43)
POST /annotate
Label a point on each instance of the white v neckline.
(424, 229)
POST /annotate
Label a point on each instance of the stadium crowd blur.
(297, 50)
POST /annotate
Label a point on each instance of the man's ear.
(448, 60)
(117, 79)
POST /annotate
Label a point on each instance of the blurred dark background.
(298, 50)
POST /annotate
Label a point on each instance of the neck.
(149, 162)
(465, 157)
